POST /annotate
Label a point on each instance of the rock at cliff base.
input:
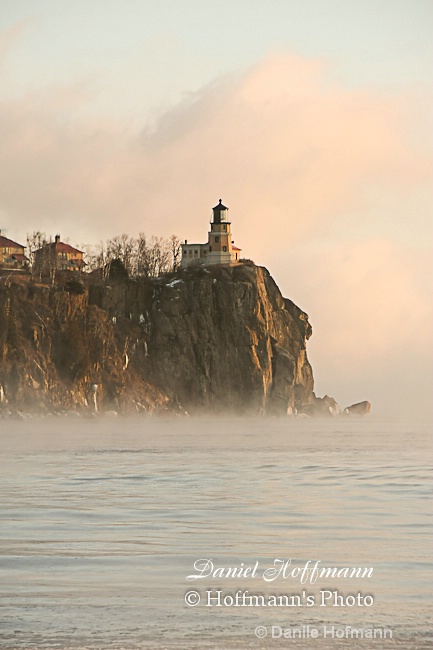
(361, 408)
(321, 407)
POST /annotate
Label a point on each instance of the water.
(102, 520)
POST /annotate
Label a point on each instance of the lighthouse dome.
(220, 212)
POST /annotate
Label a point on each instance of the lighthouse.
(219, 248)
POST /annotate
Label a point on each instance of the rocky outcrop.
(359, 409)
(321, 407)
(221, 339)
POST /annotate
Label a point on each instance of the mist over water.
(102, 520)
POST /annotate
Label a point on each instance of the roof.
(235, 248)
(62, 247)
(8, 243)
(65, 248)
(220, 207)
(20, 257)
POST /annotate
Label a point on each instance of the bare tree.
(122, 247)
(141, 256)
(35, 241)
(153, 256)
(141, 262)
(42, 255)
(176, 248)
(159, 256)
(96, 258)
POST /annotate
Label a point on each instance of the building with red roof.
(12, 256)
(57, 256)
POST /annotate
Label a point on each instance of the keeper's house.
(57, 256)
(219, 248)
(12, 255)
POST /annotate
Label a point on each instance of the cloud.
(9, 37)
(281, 142)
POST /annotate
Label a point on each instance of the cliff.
(220, 339)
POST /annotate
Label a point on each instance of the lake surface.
(102, 521)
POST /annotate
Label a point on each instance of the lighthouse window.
(224, 249)
(224, 226)
(217, 240)
(184, 251)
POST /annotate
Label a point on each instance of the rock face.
(221, 339)
(361, 408)
(321, 407)
(227, 339)
(59, 352)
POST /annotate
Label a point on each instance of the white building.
(219, 248)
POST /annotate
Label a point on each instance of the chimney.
(57, 239)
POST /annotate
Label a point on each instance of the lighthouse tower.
(219, 248)
(220, 237)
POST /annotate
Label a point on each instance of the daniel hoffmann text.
(308, 573)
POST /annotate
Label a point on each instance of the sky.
(312, 120)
